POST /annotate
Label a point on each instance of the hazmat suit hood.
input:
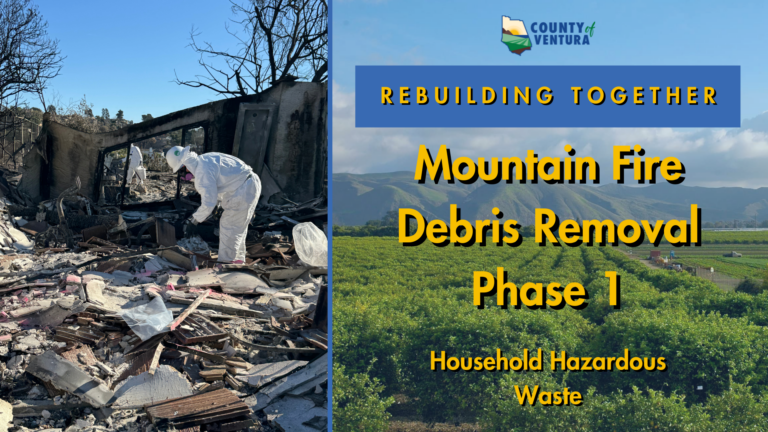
(176, 155)
(189, 160)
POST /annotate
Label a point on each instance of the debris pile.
(109, 321)
(158, 186)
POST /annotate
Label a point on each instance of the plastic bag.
(148, 319)
(311, 244)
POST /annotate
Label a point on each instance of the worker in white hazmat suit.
(229, 182)
(134, 163)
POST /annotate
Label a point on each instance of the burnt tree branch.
(276, 40)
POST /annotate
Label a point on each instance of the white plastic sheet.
(311, 244)
(148, 319)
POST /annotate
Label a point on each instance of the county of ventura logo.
(515, 36)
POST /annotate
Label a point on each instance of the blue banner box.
(543, 96)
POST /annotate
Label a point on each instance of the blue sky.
(122, 55)
(626, 33)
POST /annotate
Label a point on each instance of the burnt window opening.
(111, 173)
(118, 184)
(195, 139)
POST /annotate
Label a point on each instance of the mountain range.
(359, 198)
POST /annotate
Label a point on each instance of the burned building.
(280, 132)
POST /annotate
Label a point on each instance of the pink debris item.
(154, 289)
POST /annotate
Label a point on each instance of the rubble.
(297, 414)
(111, 322)
(6, 415)
(147, 389)
(65, 375)
(261, 375)
(220, 405)
(304, 381)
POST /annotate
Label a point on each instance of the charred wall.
(301, 122)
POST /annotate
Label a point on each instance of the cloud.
(712, 157)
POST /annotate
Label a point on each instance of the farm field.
(747, 266)
(721, 240)
(393, 305)
(705, 249)
(753, 245)
(735, 237)
(753, 265)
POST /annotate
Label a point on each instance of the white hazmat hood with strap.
(175, 155)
